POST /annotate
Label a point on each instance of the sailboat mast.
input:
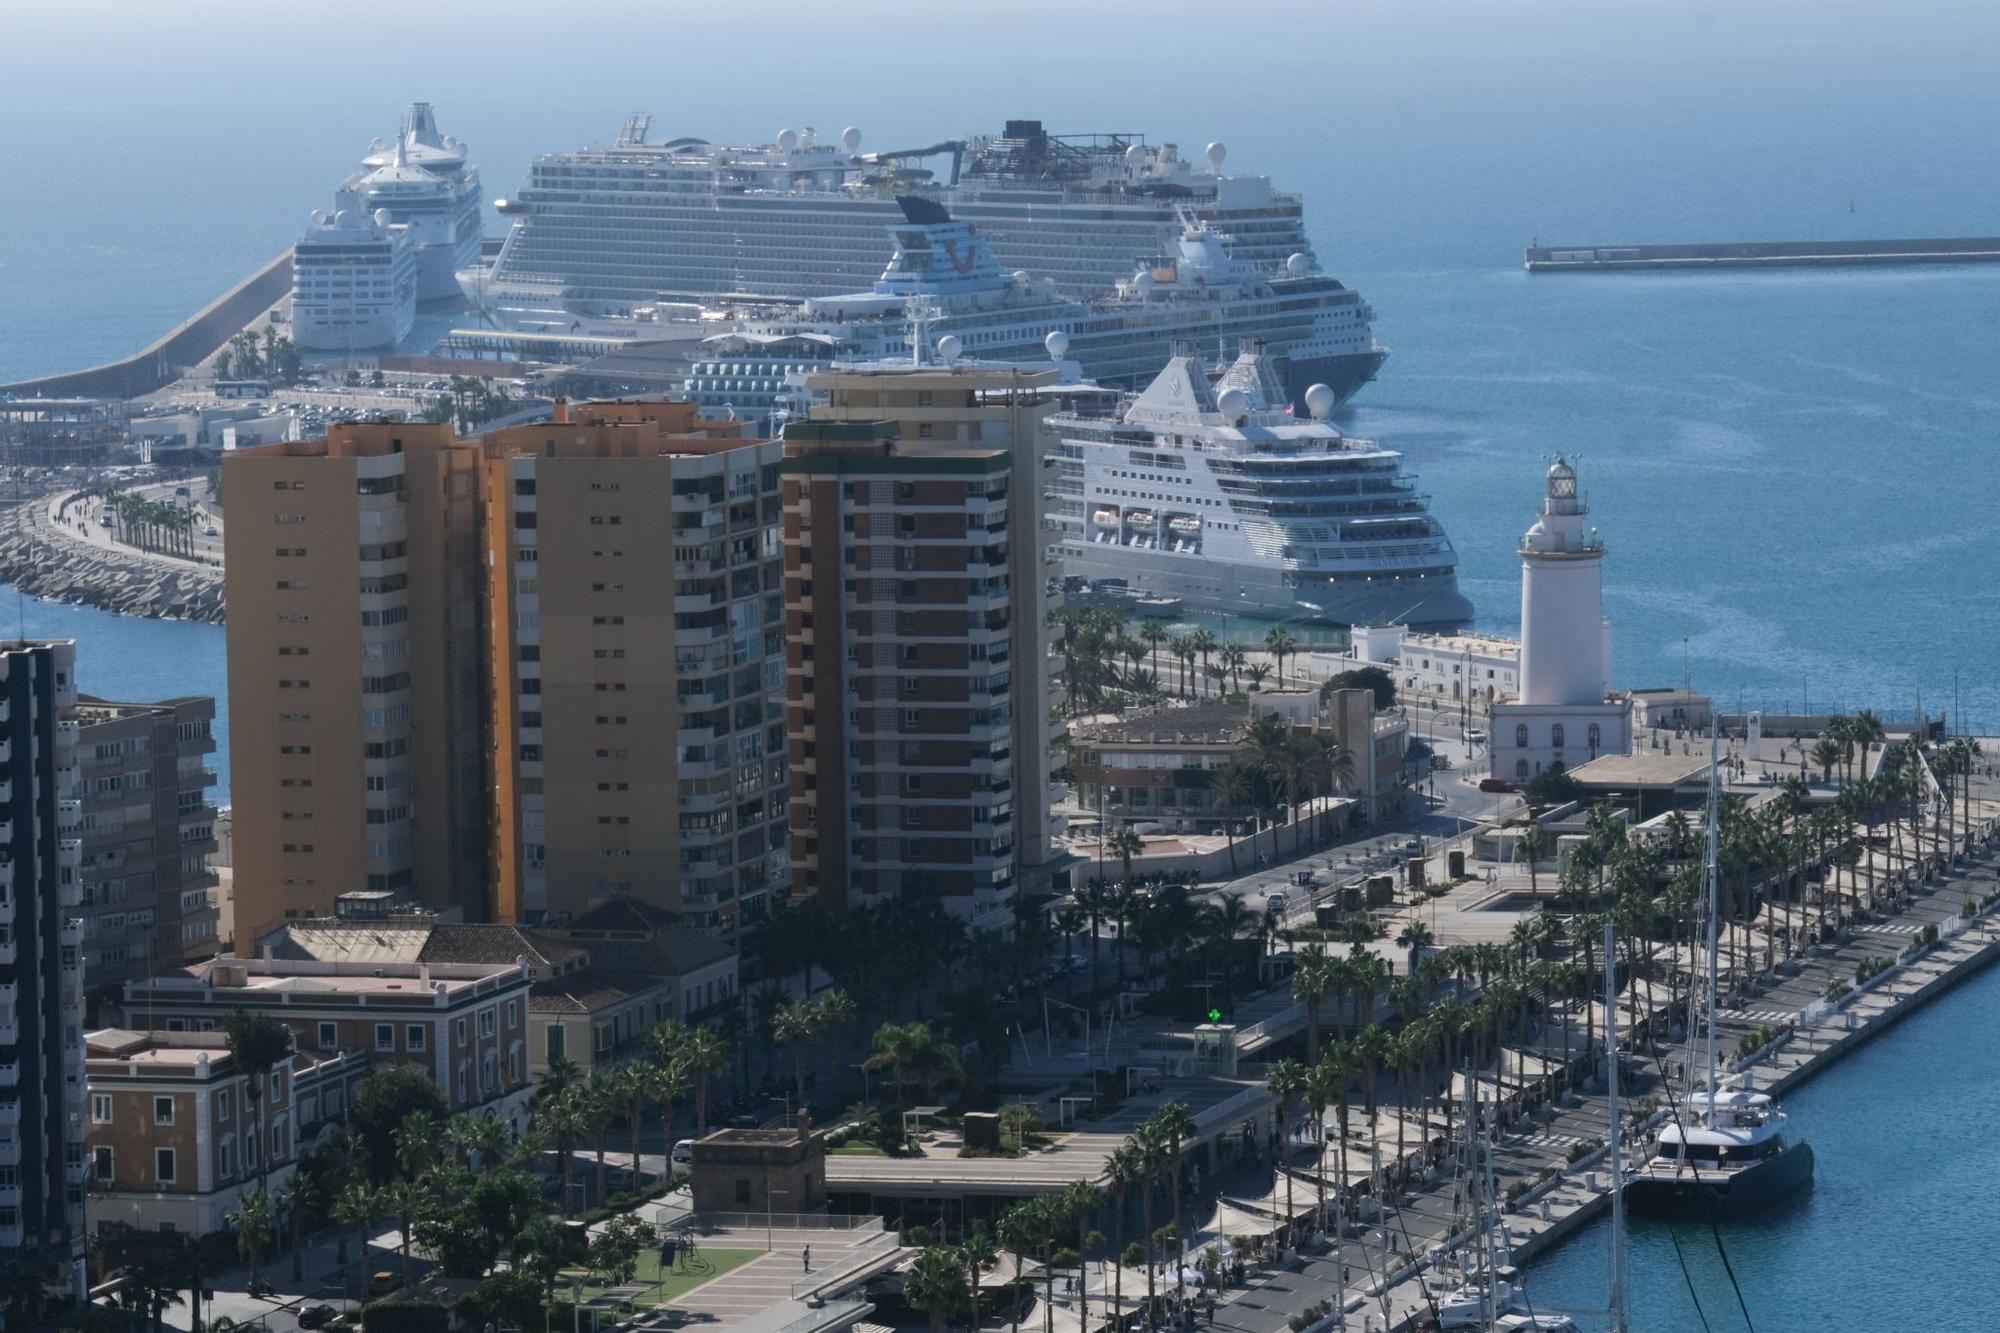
(1714, 900)
(1617, 1128)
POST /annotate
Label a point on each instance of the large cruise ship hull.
(1743, 1192)
(1343, 374)
(1227, 588)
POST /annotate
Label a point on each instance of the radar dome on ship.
(343, 218)
(1233, 404)
(948, 347)
(381, 217)
(1319, 400)
(1021, 276)
(1058, 344)
(787, 140)
(1145, 282)
(1134, 156)
(376, 145)
(850, 138)
(1297, 264)
(1216, 153)
(319, 217)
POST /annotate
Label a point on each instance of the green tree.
(358, 1204)
(1279, 643)
(706, 1055)
(385, 1099)
(936, 1284)
(300, 1195)
(1174, 1127)
(1371, 678)
(1286, 1079)
(251, 1216)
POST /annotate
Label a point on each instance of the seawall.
(169, 357)
(62, 570)
(1763, 254)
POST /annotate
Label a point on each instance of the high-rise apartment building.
(636, 664)
(41, 967)
(902, 647)
(148, 828)
(981, 407)
(354, 671)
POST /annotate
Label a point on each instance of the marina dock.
(1762, 254)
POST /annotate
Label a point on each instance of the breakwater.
(61, 569)
(1763, 254)
(170, 356)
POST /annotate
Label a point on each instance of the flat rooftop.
(1641, 770)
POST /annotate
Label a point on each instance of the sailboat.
(1726, 1151)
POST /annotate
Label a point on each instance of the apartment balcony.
(10, 1018)
(7, 747)
(72, 930)
(69, 814)
(10, 1074)
(69, 851)
(67, 730)
(10, 1118)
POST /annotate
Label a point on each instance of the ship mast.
(1714, 894)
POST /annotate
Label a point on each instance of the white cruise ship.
(424, 181)
(609, 231)
(1219, 496)
(944, 279)
(354, 281)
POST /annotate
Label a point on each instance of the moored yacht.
(1731, 1155)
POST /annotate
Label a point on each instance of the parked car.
(1495, 784)
(1275, 902)
(684, 1152)
(316, 1316)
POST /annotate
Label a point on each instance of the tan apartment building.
(148, 830)
(354, 681)
(175, 1137)
(901, 628)
(466, 1024)
(981, 406)
(635, 661)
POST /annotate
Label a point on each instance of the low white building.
(1481, 667)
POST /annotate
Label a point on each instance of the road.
(84, 520)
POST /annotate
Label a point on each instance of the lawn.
(707, 1266)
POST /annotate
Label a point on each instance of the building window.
(100, 1165)
(414, 1036)
(1596, 736)
(460, 1031)
(1520, 735)
(163, 1110)
(555, 1042)
(222, 1104)
(385, 1036)
(1520, 768)
(329, 1037)
(513, 1013)
(100, 1109)
(1556, 735)
(226, 1159)
(487, 1017)
(163, 1165)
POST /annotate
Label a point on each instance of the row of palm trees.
(1106, 662)
(153, 525)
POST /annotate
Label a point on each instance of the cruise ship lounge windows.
(1520, 735)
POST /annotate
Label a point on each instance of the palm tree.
(976, 1251)
(1151, 1154)
(1278, 642)
(936, 1285)
(1415, 936)
(1315, 974)
(251, 1216)
(705, 1055)
(1534, 845)
(1020, 1235)
(405, 1198)
(1232, 658)
(1079, 1202)
(796, 1025)
(417, 1140)
(257, 1043)
(299, 1194)
(1286, 1079)
(913, 1055)
(1230, 788)
(356, 1207)
(567, 1116)
(601, 1096)
(1126, 844)
(1175, 1127)
(1257, 671)
(837, 1010)
(1270, 743)
(1123, 1169)
(1202, 642)
(1183, 655)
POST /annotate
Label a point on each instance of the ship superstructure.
(618, 232)
(354, 280)
(1218, 495)
(423, 179)
(944, 286)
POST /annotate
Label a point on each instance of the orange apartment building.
(635, 659)
(354, 683)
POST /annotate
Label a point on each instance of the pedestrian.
(806, 1259)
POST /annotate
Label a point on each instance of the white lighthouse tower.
(1565, 713)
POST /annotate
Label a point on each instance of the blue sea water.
(1889, 1236)
(1793, 470)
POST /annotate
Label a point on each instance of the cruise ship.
(611, 231)
(1219, 495)
(423, 180)
(945, 285)
(354, 280)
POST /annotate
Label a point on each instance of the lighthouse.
(1565, 713)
